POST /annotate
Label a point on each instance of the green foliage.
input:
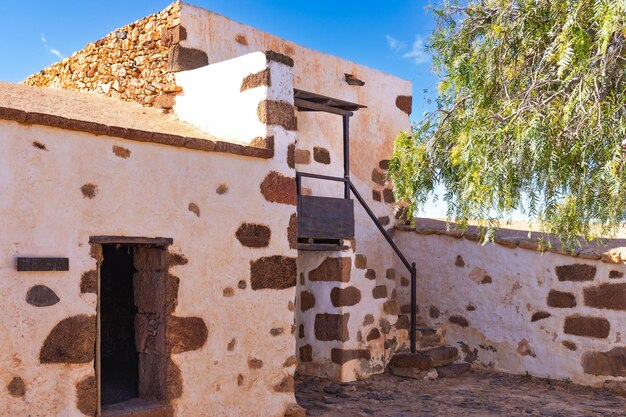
(530, 116)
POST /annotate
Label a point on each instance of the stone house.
(179, 237)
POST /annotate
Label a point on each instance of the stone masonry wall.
(519, 310)
(134, 62)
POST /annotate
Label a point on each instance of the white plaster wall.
(521, 281)
(43, 213)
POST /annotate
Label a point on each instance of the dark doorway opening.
(118, 353)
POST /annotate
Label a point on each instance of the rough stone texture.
(180, 58)
(149, 289)
(390, 274)
(89, 191)
(376, 195)
(576, 272)
(370, 274)
(321, 155)
(277, 113)
(596, 327)
(373, 335)
(332, 327)
(41, 296)
(405, 103)
(292, 232)
(608, 296)
(403, 323)
(273, 56)
(569, 345)
(341, 356)
(368, 319)
(286, 384)
(121, 152)
(616, 274)
(184, 334)
(150, 259)
(194, 208)
(540, 315)
(17, 387)
(384, 220)
(524, 348)
(379, 291)
(87, 396)
(228, 292)
(221, 189)
(459, 261)
(277, 188)
(345, 297)
(360, 261)
(391, 307)
(332, 269)
(388, 196)
(479, 393)
(130, 63)
(294, 410)
(458, 320)
(306, 353)
(302, 156)
(385, 326)
(254, 235)
(383, 164)
(72, 340)
(378, 176)
(433, 312)
(291, 155)
(254, 363)
(561, 299)
(259, 79)
(307, 300)
(611, 363)
(273, 272)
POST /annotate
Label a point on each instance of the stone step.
(453, 370)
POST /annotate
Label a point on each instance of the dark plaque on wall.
(43, 264)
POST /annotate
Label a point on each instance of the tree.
(530, 116)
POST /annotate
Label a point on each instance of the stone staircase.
(432, 359)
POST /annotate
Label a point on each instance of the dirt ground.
(476, 394)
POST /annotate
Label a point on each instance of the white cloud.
(418, 51)
(52, 51)
(394, 44)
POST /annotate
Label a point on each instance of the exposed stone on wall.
(292, 232)
(332, 269)
(321, 155)
(259, 79)
(17, 387)
(379, 291)
(253, 235)
(405, 103)
(194, 208)
(72, 340)
(277, 113)
(302, 156)
(41, 296)
(345, 297)
(576, 272)
(561, 299)
(616, 274)
(597, 327)
(273, 272)
(121, 152)
(611, 363)
(87, 396)
(307, 300)
(185, 333)
(306, 353)
(277, 188)
(608, 296)
(540, 315)
(341, 356)
(332, 327)
(459, 321)
(131, 63)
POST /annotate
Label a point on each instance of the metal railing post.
(346, 155)
(413, 306)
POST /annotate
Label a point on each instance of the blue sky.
(386, 35)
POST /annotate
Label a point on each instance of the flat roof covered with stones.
(93, 113)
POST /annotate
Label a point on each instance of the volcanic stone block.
(302, 156)
(540, 315)
(373, 335)
(184, 59)
(307, 300)
(569, 345)
(89, 282)
(281, 113)
(611, 363)
(378, 177)
(576, 272)
(380, 291)
(149, 289)
(345, 297)
(616, 274)
(273, 272)
(72, 340)
(383, 164)
(341, 356)
(41, 296)
(391, 307)
(258, 79)
(87, 396)
(376, 195)
(149, 259)
(321, 155)
(403, 323)
(459, 261)
(453, 370)
(306, 353)
(608, 296)
(332, 269)
(278, 188)
(150, 333)
(458, 320)
(388, 196)
(184, 334)
(560, 299)
(390, 273)
(596, 327)
(254, 235)
(332, 327)
(370, 274)
(405, 103)
(292, 232)
(17, 387)
(360, 261)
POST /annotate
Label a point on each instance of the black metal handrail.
(410, 266)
